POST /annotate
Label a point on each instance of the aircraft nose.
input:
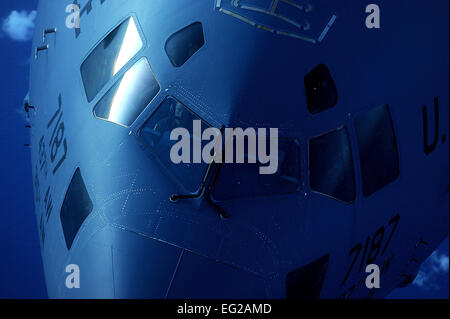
(200, 277)
(148, 268)
(136, 266)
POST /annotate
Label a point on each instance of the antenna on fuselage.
(46, 32)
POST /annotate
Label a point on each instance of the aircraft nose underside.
(118, 263)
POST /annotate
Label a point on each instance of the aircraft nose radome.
(200, 277)
(149, 268)
(118, 263)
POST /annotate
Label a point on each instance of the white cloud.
(19, 25)
(428, 276)
(420, 279)
(443, 263)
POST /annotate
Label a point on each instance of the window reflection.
(244, 180)
(184, 43)
(126, 100)
(377, 149)
(172, 114)
(331, 165)
(110, 56)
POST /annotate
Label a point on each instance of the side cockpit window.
(331, 165)
(321, 92)
(245, 181)
(129, 96)
(377, 149)
(156, 135)
(76, 207)
(110, 56)
(183, 44)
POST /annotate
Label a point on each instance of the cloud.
(19, 25)
(420, 279)
(435, 267)
(443, 263)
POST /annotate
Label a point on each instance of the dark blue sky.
(21, 273)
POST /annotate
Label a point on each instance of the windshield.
(244, 180)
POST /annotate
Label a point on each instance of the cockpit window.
(126, 100)
(76, 207)
(377, 149)
(183, 44)
(245, 181)
(331, 165)
(110, 56)
(321, 92)
(156, 132)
